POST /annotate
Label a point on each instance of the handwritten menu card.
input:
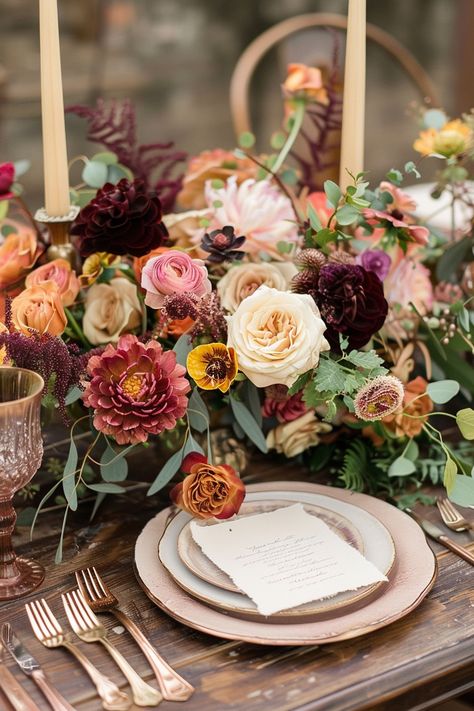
(284, 558)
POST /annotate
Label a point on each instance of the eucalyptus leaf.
(333, 192)
(21, 167)
(434, 118)
(198, 415)
(69, 478)
(465, 422)
(118, 171)
(167, 472)
(450, 260)
(73, 395)
(182, 348)
(450, 471)
(412, 451)
(462, 492)
(401, 467)
(107, 488)
(95, 174)
(346, 215)
(106, 157)
(252, 399)
(443, 390)
(113, 465)
(248, 423)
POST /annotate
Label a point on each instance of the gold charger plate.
(411, 580)
(198, 563)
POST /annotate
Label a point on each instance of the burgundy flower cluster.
(121, 219)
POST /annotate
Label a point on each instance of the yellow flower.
(452, 139)
(95, 264)
(213, 366)
(3, 355)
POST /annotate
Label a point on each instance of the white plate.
(378, 549)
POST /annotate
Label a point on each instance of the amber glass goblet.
(21, 451)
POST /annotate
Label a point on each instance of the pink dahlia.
(135, 389)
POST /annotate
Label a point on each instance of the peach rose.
(292, 438)
(305, 82)
(409, 420)
(39, 308)
(208, 491)
(111, 309)
(59, 271)
(18, 254)
(212, 165)
(243, 280)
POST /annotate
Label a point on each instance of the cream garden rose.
(277, 336)
(243, 280)
(111, 309)
(292, 438)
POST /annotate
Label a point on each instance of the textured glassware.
(21, 451)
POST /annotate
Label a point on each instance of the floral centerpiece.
(319, 323)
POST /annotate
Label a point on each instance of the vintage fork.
(100, 599)
(452, 518)
(50, 633)
(88, 628)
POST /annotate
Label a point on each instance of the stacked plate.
(177, 575)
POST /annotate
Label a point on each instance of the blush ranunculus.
(59, 271)
(277, 336)
(110, 310)
(208, 491)
(18, 254)
(39, 308)
(173, 273)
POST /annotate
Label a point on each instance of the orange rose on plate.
(208, 491)
(39, 308)
(59, 271)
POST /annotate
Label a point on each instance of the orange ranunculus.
(179, 326)
(409, 419)
(208, 491)
(319, 202)
(305, 82)
(217, 164)
(213, 366)
(139, 262)
(59, 271)
(39, 308)
(18, 254)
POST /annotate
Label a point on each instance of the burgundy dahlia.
(351, 302)
(136, 390)
(223, 245)
(121, 219)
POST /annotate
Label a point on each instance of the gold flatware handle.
(56, 701)
(143, 694)
(14, 691)
(456, 548)
(112, 698)
(172, 685)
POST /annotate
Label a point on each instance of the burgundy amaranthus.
(114, 126)
(49, 356)
(210, 318)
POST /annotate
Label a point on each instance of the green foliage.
(333, 193)
(465, 422)
(443, 390)
(450, 471)
(246, 139)
(248, 423)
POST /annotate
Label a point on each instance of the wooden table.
(424, 658)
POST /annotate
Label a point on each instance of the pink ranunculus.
(59, 271)
(135, 390)
(174, 272)
(7, 177)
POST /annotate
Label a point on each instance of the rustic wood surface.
(424, 658)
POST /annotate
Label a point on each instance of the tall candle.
(56, 181)
(353, 108)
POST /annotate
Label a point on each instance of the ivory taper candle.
(353, 108)
(56, 180)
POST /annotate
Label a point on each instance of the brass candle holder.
(59, 229)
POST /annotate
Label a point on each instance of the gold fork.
(50, 633)
(452, 517)
(100, 599)
(88, 628)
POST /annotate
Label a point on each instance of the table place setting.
(261, 358)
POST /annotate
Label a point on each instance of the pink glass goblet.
(21, 451)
